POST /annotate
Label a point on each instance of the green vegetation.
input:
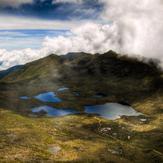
(83, 138)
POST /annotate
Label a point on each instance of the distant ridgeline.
(10, 70)
(106, 64)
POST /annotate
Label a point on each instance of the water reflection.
(48, 97)
(50, 111)
(111, 110)
(108, 110)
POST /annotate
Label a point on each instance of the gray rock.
(143, 120)
(54, 149)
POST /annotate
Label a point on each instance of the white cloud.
(139, 24)
(17, 57)
(14, 3)
(91, 38)
(13, 22)
(131, 27)
(68, 1)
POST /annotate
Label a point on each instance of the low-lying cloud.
(128, 27)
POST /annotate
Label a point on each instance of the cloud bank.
(128, 27)
(12, 22)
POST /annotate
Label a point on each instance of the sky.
(32, 29)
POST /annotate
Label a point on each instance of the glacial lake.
(111, 110)
(48, 97)
(53, 112)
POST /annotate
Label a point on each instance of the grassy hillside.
(83, 138)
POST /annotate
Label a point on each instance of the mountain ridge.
(116, 76)
(86, 64)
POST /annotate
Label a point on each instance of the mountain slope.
(108, 64)
(91, 79)
(118, 77)
(9, 71)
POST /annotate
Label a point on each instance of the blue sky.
(21, 39)
(25, 23)
(53, 9)
(32, 29)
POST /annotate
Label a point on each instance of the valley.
(70, 84)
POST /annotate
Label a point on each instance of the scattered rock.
(123, 128)
(115, 134)
(54, 149)
(113, 151)
(32, 115)
(79, 149)
(12, 137)
(117, 151)
(143, 120)
(105, 129)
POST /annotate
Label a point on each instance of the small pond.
(111, 110)
(108, 110)
(48, 97)
(50, 111)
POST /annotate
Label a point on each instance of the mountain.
(110, 73)
(8, 71)
(108, 64)
(87, 80)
